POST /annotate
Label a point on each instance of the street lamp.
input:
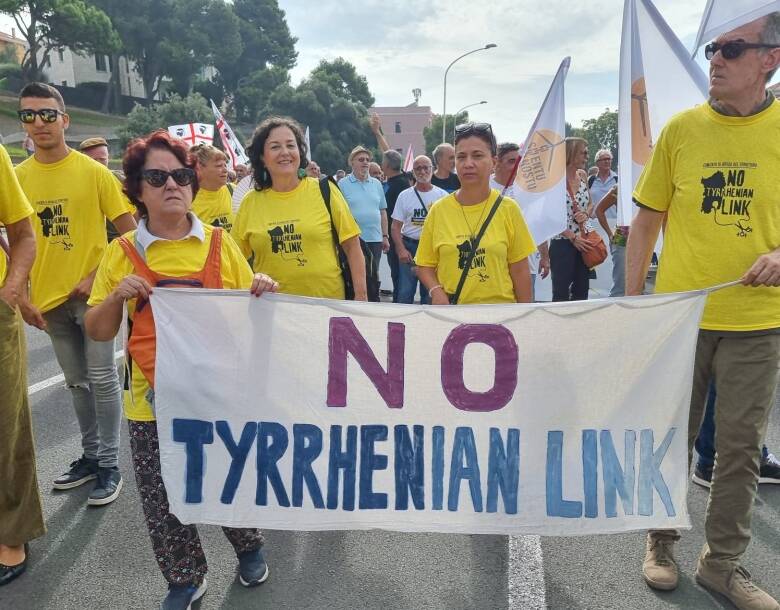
(461, 110)
(444, 105)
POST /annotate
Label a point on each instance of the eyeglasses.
(733, 49)
(422, 168)
(48, 115)
(604, 159)
(158, 177)
(466, 129)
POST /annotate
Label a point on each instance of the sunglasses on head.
(48, 115)
(158, 177)
(466, 129)
(733, 49)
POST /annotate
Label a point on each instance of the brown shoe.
(659, 567)
(737, 586)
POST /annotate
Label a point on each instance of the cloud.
(407, 44)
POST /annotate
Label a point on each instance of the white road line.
(47, 383)
(525, 574)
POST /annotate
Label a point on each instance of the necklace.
(472, 233)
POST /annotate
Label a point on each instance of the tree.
(601, 132)
(176, 111)
(432, 133)
(53, 24)
(332, 102)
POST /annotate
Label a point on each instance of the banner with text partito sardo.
(305, 414)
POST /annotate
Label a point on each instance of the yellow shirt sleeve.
(238, 232)
(346, 226)
(113, 268)
(236, 272)
(13, 202)
(655, 189)
(521, 243)
(113, 203)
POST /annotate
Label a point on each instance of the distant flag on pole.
(409, 160)
(308, 145)
(725, 15)
(193, 133)
(540, 176)
(230, 142)
(658, 79)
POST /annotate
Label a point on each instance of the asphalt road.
(96, 558)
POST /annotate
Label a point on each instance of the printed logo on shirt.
(222, 222)
(418, 216)
(287, 243)
(727, 195)
(478, 264)
(55, 225)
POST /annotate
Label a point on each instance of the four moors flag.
(658, 79)
(541, 173)
(230, 142)
(725, 15)
(193, 133)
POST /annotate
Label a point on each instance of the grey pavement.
(98, 558)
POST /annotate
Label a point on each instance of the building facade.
(403, 125)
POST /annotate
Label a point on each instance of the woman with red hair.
(171, 247)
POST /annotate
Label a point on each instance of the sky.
(406, 44)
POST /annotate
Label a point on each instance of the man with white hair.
(602, 182)
(444, 177)
(715, 174)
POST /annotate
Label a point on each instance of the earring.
(265, 175)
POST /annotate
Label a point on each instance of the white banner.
(722, 16)
(230, 143)
(541, 172)
(193, 133)
(306, 414)
(658, 79)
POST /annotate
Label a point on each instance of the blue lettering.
(616, 479)
(194, 433)
(503, 470)
(464, 447)
(590, 474)
(556, 505)
(342, 460)
(268, 454)
(437, 467)
(307, 446)
(409, 467)
(238, 453)
(650, 473)
(369, 462)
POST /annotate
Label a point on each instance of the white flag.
(658, 79)
(193, 133)
(725, 15)
(230, 142)
(541, 174)
(308, 145)
(409, 160)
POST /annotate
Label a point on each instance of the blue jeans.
(618, 270)
(407, 279)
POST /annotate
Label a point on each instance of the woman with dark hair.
(498, 267)
(284, 225)
(567, 267)
(173, 246)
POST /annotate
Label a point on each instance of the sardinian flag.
(230, 142)
(725, 15)
(540, 176)
(409, 160)
(653, 63)
(193, 133)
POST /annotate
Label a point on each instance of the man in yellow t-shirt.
(21, 516)
(72, 196)
(715, 174)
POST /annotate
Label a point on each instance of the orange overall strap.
(139, 264)
(212, 270)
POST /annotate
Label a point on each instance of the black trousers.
(372, 271)
(392, 260)
(569, 272)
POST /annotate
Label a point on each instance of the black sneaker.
(180, 597)
(252, 568)
(81, 471)
(107, 487)
(9, 573)
(702, 475)
(770, 468)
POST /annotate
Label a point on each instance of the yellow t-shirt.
(444, 245)
(718, 179)
(13, 202)
(170, 258)
(215, 207)
(71, 199)
(289, 237)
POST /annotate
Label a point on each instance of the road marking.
(525, 574)
(47, 383)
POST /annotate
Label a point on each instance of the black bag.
(346, 274)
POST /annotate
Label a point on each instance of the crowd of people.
(86, 246)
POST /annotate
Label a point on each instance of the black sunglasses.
(48, 115)
(466, 129)
(732, 50)
(158, 177)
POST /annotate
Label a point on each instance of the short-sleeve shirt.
(599, 188)
(450, 183)
(445, 244)
(582, 199)
(289, 237)
(71, 199)
(394, 187)
(215, 208)
(365, 198)
(718, 177)
(13, 202)
(412, 207)
(172, 258)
